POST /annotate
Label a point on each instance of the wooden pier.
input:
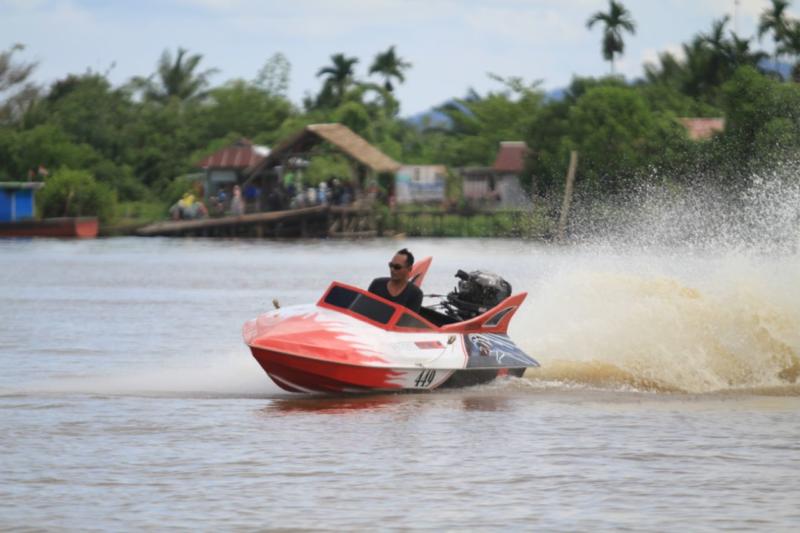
(353, 223)
(318, 221)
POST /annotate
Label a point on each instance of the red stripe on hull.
(300, 374)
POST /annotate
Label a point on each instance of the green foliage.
(175, 79)
(324, 167)
(76, 193)
(431, 221)
(763, 117)
(354, 116)
(45, 145)
(243, 108)
(89, 111)
(479, 124)
(139, 212)
(616, 134)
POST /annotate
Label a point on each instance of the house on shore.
(229, 166)
(420, 184)
(17, 200)
(701, 129)
(498, 185)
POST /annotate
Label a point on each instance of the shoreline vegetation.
(126, 153)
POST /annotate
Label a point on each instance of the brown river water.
(668, 397)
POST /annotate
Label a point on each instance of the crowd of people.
(331, 192)
(290, 193)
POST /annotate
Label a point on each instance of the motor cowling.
(476, 293)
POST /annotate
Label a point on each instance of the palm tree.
(717, 45)
(739, 53)
(389, 66)
(774, 20)
(339, 75)
(617, 19)
(791, 46)
(176, 79)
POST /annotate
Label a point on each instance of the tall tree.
(273, 78)
(389, 65)
(708, 61)
(16, 92)
(774, 20)
(791, 46)
(176, 78)
(339, 76)
(615, 21)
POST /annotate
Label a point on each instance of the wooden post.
(568, 186)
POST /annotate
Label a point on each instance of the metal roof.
(240, 155)
(511, 156)
(702, 128)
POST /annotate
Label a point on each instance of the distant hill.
(430, 119)
(784, 70)
(436, 119)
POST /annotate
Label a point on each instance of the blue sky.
(452, 44)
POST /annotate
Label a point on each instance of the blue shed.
(16, 200)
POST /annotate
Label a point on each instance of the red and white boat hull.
(355, 341)
(303, 374)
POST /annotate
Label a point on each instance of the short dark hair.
(409, 256)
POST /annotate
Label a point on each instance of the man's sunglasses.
(396, 266)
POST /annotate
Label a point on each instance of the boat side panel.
(494, 350)
(301, 374)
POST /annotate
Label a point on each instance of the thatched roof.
(338, 135)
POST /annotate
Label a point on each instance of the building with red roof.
(499, 184)
(228, 167)
(700, 129)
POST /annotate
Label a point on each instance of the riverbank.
(341, 222)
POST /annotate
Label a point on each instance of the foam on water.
(695, 293)
(228, 375)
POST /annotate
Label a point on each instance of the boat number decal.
(425, 378)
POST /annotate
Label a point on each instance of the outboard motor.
(476, 293)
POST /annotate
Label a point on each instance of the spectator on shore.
(252, 196)
(237, 202)
(188, 208)
(322, 194)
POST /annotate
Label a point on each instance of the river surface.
(667, 398)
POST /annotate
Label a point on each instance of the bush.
(76, 193)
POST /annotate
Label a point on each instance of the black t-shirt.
(410, 297)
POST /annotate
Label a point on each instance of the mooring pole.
(568, 186)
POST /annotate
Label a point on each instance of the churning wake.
(690, 293)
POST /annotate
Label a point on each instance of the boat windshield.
(360, 304)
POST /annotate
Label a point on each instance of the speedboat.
(353, 341)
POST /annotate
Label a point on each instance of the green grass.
(432, 222)
(134, 214)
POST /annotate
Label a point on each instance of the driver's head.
(400, 265)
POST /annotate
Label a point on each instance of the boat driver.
(396, 288)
